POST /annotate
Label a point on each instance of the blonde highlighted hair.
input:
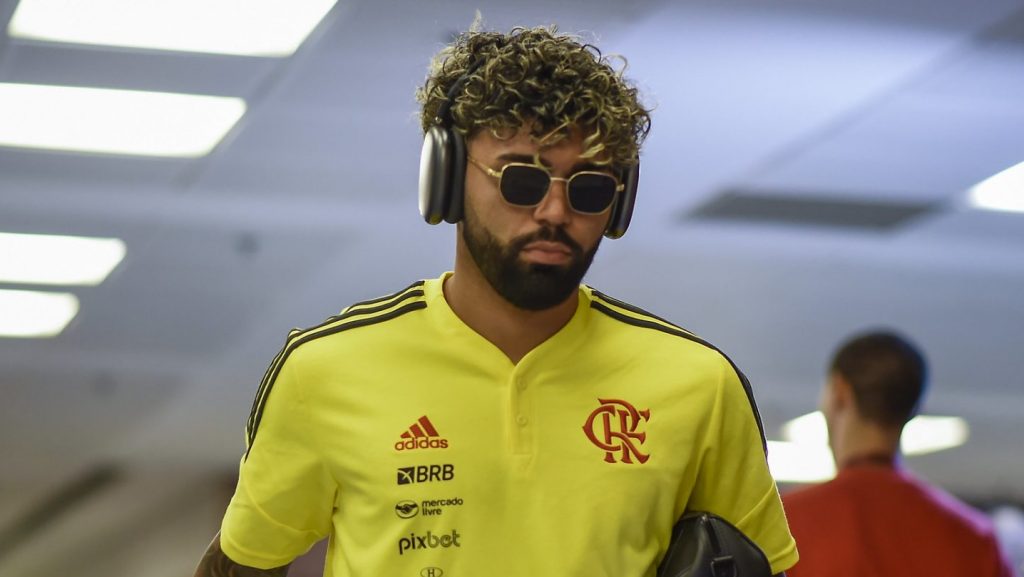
(551, 83)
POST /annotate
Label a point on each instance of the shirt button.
(521, 385)
(522, 420)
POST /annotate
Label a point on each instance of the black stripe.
(352, 311)
(258, 416)
(390, 299)
(673, 330)
(632, 308)
(349, 312)
(259, 390)
(418, 283)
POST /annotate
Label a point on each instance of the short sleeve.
(733, 481)
(285, 496)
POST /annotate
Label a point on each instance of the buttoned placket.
(520, 420)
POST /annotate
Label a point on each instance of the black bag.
(705, 545)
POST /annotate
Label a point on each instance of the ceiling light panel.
(58, 260)
(800, 463)
(809, 429)
(33, 314)
(922, 434)
(272, 28)
(927, 434)
(107, 121)
(1004, 191)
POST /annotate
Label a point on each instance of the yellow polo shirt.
(421, 450)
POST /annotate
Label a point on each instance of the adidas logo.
(421, 435)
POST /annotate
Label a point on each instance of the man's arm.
(215, 563)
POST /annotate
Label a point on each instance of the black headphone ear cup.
(456, 193)
(435, 174)
(622, 211)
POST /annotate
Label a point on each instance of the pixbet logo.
(613, 428)
(421, 435)
(425, 474)
(429, 541)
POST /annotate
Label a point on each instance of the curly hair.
(536, 77)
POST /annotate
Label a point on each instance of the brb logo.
(425, 474)
(613, 428)
(428, 541)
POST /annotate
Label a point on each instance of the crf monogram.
(612, 427)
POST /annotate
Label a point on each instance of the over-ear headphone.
(443, 170)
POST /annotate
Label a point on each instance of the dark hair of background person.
(888, 376)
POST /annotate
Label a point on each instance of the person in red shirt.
(877, 519)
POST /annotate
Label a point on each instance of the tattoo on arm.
(215, 563)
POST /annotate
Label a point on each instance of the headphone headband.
(444, 112)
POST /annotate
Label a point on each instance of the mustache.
(549, 234)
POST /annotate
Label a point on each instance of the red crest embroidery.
(613, 428)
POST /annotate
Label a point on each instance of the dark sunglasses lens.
(592, 193)
(524, 185)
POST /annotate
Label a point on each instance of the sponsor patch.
(425, 474)
(428, 540)
(421, 435)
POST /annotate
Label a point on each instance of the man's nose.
(554, 208)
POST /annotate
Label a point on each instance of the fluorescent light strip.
(271, 28)
(809, 429)
(114, 121)
(32, 314)
(800, 463)
(1004, 191)
(923, 434)
(928, 433)
(58, 260)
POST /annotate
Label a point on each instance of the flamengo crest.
(613, 428)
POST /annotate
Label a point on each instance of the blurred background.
(229, 170)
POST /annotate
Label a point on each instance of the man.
(876, 518)
(503, 419)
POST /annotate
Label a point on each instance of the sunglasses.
(526, 185)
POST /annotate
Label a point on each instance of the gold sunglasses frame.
(497, 174)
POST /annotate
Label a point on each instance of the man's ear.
(840, 392)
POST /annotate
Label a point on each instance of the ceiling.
(772, 126)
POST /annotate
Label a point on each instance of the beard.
(529, 286)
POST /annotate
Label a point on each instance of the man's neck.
(513, 330)
(861, 442)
